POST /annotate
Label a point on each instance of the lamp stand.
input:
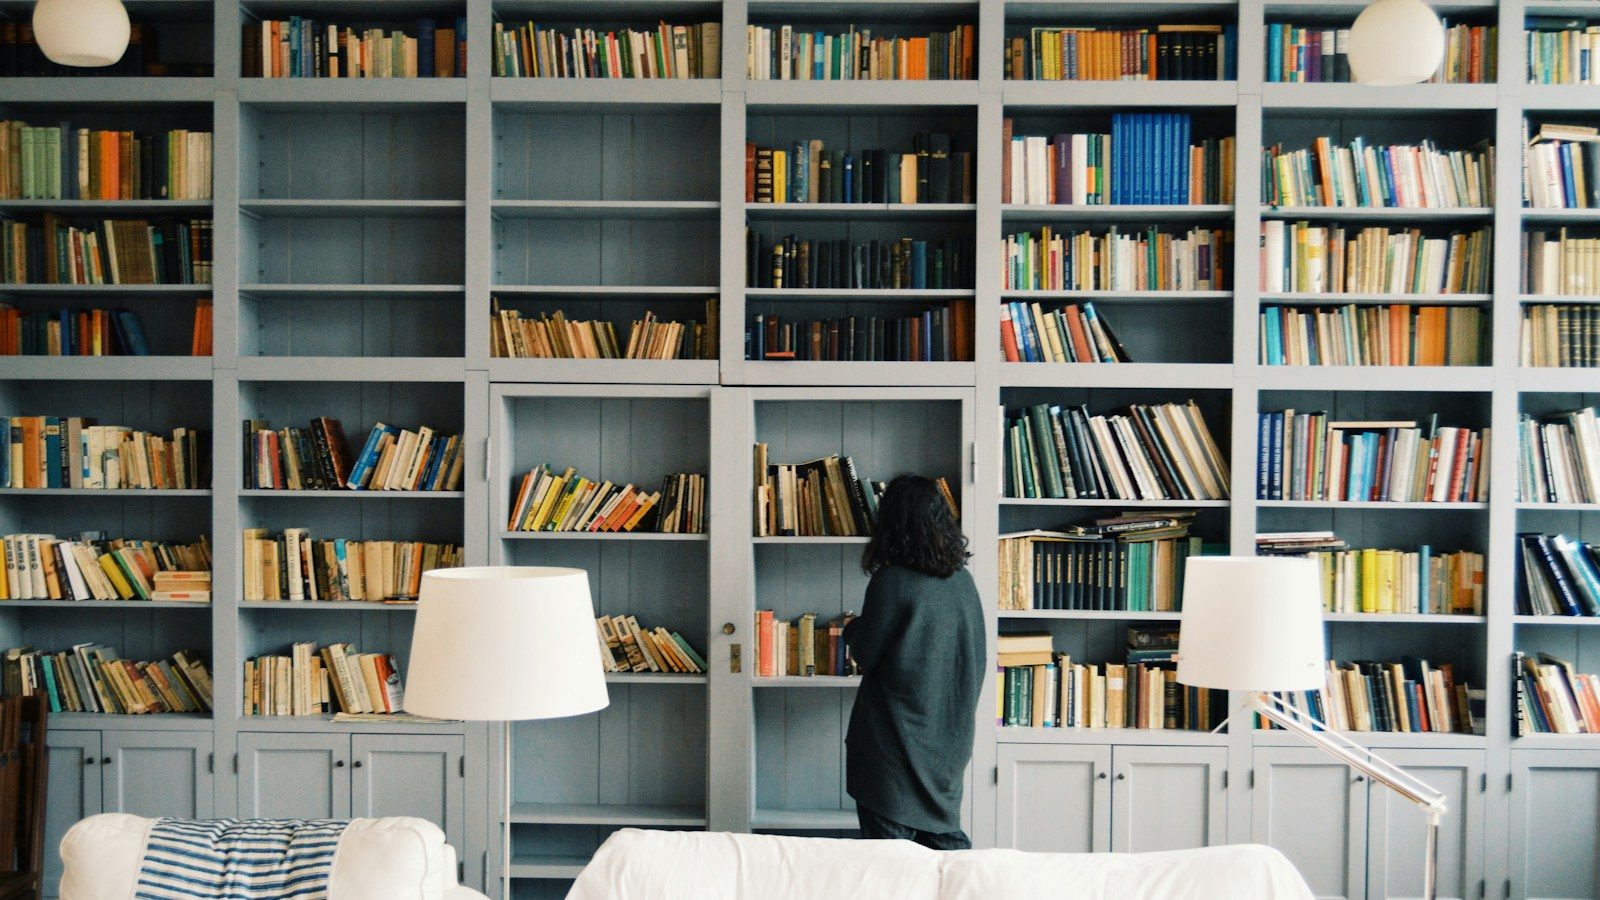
(1430, 801)
(505, 821)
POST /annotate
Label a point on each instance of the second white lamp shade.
(1395, 42)
(505, 644)
(85, 33)
(1251, 623)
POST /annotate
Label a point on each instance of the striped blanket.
(237, 859)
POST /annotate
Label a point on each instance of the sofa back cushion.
(1239, 872)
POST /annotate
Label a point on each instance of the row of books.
(309, 682)
(1308, 456)
(64, 162)
(1373, 580)
(316, 458)
(795, 53)
(938, 334)
(1133, 562)
(1364, 175)
(806, 171)
(1161, 451)
(1559, 457)
(73, 452)
(1557, 575)
(1317, 259)
(666, 51)
(1164, 53)
(1300, 53)
(802, 648)
(1558, 263)
(1563, 335)
(903, 264)
(570, 502)
(71, 332)
(301, 47)
(91, 678)
(1471, 55)
(822, 497)
(554, 336)
(1073, 333)
(1147, 158)
(1562, 50)
(20, 56)
(1149, 260)
(626, 647)
(1395, 334)
(43, 567)
(1552, 697)
(1561, 167)
(293, 565)
(110, 251)
(1040, 688)
(1411, 695)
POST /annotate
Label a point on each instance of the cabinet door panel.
(1311, 808)
(1054, 798)
(1555, 824)
(1167, 798)
(158, 773)
(72, 792)
(294, 776)
(411, 775)
(1397, 831)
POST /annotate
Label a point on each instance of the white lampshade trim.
(1395, 42)
(83, 33)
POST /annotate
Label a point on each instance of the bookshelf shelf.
(564, 10)
(1022, 96)
(606, 371)
(120, 722)
(109, 90)
(862, 10)
(797, 96)
(602, 291)
(1075, 12)
(95, 368)
(302, 605)
(1556, 621)
(1404, 619)
(145, 493)
(1376, 214)
(103, 604)
(658, 678)
(1379, 740)
(1360, 99)
(392, 10)
(638, 815)
(856, 294)
(1368, 504)
(325, 724)
(1342, 298)
(1531, 216)
(365, 209)
(600, 94)
(108, 207)
(1559, 97)
(1196, 375)
(1130, 504)
(1090, 615)
(788, 372)
(1377, 378)
(605, 209)
(350, 368)
(1142, 214)
(804, 819)
(533, 866)
(806, 681)
(108, 290)
(271, 291)
(799, 540)
(597, 536)
(1353, 7)
(1558, 507)
(1588, 742)
(1559, 298)
(1569, 380)
(859, 211)
(1564, 8)
(1116, 736)
(341, 93)
(1120, 296)
(355, 495)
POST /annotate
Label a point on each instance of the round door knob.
(1122, 776)
(1101, 776)
(106, 760)
(89, 760)
(338, 764)
(1361, 778)
(356, 764)
(727, 628)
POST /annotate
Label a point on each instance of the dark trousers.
(876, 828)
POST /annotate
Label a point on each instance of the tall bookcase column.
(731, 271)
(227, 569)
(480, 163)
(225, 227)
(732, 655)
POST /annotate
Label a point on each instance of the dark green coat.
(920, 643)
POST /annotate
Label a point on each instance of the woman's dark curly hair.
(916, 530)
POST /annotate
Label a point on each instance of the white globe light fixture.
(84, 33)
(1396, 42)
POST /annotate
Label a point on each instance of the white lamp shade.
(85, 33)
(1251, 623)
(504, 644)
(1396, 42)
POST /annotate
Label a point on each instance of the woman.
(920, 644)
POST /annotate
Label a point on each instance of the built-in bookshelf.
(366, 231)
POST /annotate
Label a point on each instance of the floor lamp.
(505, 644)
(1254, 624)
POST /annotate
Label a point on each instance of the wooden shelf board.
(638, 815)
(1368, 504)
(353, 209)
(269, 291)
(143, 493)
(299, 605)
(1556, 621)
(657, 678)
(599, 94)
(1091, 615)
(124, 722)
(1020, 96)
(109, 207)
(544, 866)
(1117, 736)
(1105, 296)
(1097, 503)
(107, 368)
(1429, 619)
(1375, 378)
(901, 295)
(1141, 213)
(846, 682)
(599, 536)
(606, 371)
(857, 211)
(812, 541)
(606, 209)
(101, 605)
(804, 819)
(1201, 376)
(355, 495)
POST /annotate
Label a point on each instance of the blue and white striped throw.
(239, 859)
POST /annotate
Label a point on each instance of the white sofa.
(378, 859)
(664, 865)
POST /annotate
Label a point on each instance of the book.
(1075, 333)
(668, 50)
(805, 53)
(1379, 335)
(1560, 264)
(1136, 570)
(74, 452)
(1161, 451)
(1361, 174)
(317, 458)
(294, 565)
(1050, 690)
(1299, 257)
(569, 502)
(625, 646)
(1560, 335)
(1308, 456)
(1144, 158)
(1555, 698)
(892, 264)
(92, 678)
(302, 47)
(1169, 52)
(93, 567)
(312, 681)
(1561, 50)
(67, 162)
(49, 249)
(803, 647)
(1412, 695)
(1561, 167)
(813, 173)
(1375, 580)
(1148, 259)
(554, 336)
(1559, 457)
(937, 334)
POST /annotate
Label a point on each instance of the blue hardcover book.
(849, 183)
(919, 265)
(1413, 714)
(1022, 315)
(799, 172)
(819, 44)
(892, 177)
(1164, 163)
(1277, 456)
(368, 457)
(425, 34)
(435, 459)
(1425, 580)
(1230, 52)
(52, 452)
(133, 333)
(1567, 184)
(52, 690)
(1263, 456)
(461, 47)
(1274, 52)
(1142, 161)
(1186, 169)
(69, 337)
(1587, 581)
(1119, 156)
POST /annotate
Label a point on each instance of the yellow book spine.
(1369, 581)
(118, 580)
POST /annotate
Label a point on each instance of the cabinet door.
(1555, 824)
(411, 775)
(1055, 798)
(1167, 798)
(1312, 809)
(72, 792)
(1397, 832)
(294, 776)
(158, 773)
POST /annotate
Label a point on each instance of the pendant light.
(1396, 42)
(83, 33)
